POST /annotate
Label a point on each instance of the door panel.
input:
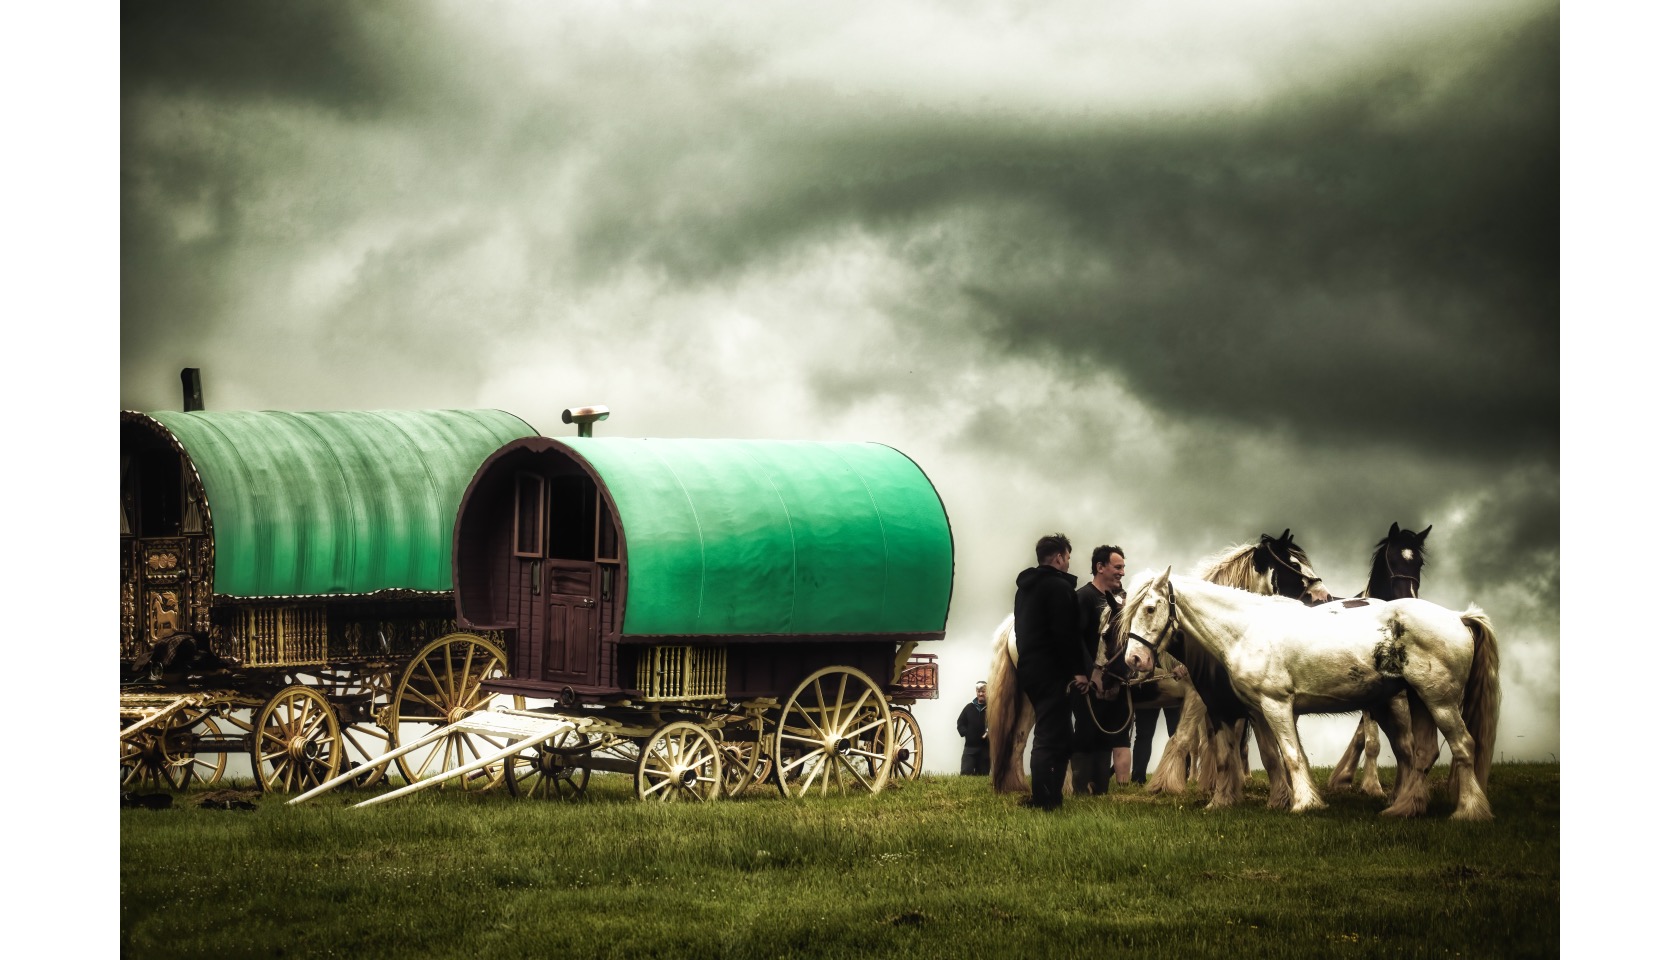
(571, 652)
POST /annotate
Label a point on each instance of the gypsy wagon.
(703, 614)
(286, 589)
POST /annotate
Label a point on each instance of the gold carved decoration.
(162, 561)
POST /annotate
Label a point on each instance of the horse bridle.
(1167, 629)
(1292, 564)
(1417, 585)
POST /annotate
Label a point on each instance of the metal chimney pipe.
(192, 394)
(585, 418)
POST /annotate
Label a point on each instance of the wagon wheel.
(559, 768)
(441, 686)
(906, 756)
(827, 736)
(679, 762)
(744, 764)
(168, 755)
(294, 740)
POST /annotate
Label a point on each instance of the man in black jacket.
(971, 726)
(1101, 742)
(1051, 664)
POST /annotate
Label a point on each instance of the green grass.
(937, 868)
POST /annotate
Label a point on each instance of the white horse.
(1285, 659)
(1272, 565)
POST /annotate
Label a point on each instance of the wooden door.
(571, 629)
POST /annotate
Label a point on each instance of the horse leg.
(1472, 801)
(1370, 784)
(1170, 774)
(1341, 778)
(1222, 750)
(1280, 716)
(1281, 797)
(1411, 782)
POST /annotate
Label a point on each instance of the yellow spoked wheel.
(679, 762)
(834, 735)
(906, 755)
(557, 768)
(173, 755)
(442, 685)
(743, 765)
(294, 741)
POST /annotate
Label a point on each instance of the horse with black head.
(1396, 572)
(1284, 659)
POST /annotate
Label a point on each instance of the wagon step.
(526, 727)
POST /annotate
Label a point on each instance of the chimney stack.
(192, 394)
(585, 418)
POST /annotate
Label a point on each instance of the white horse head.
(1147, 622)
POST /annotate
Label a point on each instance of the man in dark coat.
(1101, 742)
(1051, 664)
(971, 726)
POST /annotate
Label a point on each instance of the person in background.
(1051, 664)
(971, 726)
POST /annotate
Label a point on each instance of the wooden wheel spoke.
(442, 711)
(466, 676)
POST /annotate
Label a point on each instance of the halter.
(1292, 564)
(1417, 585)
(1166, 628)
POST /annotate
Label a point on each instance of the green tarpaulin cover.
(733, 537)
(336, 503)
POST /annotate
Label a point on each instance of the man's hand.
(1081, 683)
(1179, 673)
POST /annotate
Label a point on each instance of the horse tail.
(1008, 715)
(1481, 691)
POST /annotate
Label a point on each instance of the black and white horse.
(1284, 658)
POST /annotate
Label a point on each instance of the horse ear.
(1394, 530)
(1425, 532)
(1165, 574)
(1285, 536)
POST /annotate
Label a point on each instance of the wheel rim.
(833, 735)
(907, 746)
(295, 742)
(679, 762)
(169, 755)
(366, 737)
(557, 769)
(743, 765)
(442, 685)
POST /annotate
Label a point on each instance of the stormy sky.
(1168, 275)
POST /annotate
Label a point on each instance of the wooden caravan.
(286, 587)
(734, 583)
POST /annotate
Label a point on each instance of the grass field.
(940, 867)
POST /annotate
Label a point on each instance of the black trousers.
(1052, 743)
(1098, 727)
(977, 761)
(1144, 745)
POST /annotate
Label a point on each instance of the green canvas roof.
(744, 537)
(336, 503)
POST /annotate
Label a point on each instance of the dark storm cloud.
(1378, 251)
(326, 53)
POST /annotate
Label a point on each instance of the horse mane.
(1234, 567)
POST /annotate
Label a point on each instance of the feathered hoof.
(1374, 791)
(1339, 784)
(1472, 813)
(1403, 812)
(1308, 806)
